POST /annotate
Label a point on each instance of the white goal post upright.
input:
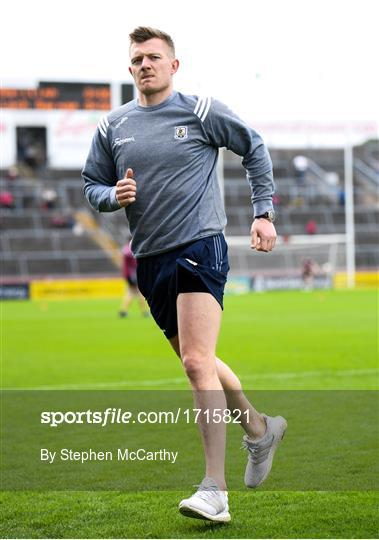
(349, 216)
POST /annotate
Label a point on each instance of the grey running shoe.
(207, 503)
(261, 452)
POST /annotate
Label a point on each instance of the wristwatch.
(270, 215)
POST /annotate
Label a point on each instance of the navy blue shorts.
(201, 266)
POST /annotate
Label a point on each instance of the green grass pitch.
(322, 340)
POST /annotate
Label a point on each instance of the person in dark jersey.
(156, 156)
(308, 268)
(132, 292)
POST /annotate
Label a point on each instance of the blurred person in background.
(12, 174)
(6, 200)
(300, 165)
(308, 273)
(156, 156)
(49, 198)
(132, 292)
(311, 227)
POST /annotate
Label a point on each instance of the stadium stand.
(71, 239)
(318, 199)
(37, 242)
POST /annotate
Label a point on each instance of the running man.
(156, 157)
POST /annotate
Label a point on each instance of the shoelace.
(258, 451)
(205, 492)
(201, 487)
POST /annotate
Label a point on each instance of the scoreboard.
(62, 115)
(58, 95)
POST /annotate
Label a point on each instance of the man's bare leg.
(253, 423)
(199, 317)
(254, 426)
(126, 300)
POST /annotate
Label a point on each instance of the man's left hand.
(263, 235)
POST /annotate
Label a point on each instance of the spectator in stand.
(298, 202)
(12, 174)
(6, 200)
(132, 292)
(61, 221)
(311, 227)
(49, 199)
(276, 200)
(300, 165)
(34, 155)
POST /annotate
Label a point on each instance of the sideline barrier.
(363, 280)
(76, 288)
(69, 289)
(14, 291)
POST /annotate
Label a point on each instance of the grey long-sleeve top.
(173, 148)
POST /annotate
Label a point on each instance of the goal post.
(282, 268)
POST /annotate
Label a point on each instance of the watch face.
(270, 215)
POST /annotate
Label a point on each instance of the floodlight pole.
(349, 214)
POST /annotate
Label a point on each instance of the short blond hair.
(144, 33)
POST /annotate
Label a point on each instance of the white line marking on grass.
(105, 385)
(306, 374)
(182, 380)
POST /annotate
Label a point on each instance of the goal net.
(283, 267)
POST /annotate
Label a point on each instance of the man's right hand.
(126, 189)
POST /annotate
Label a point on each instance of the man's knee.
(198, 366)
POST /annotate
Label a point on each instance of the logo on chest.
(181, 132)
(120, 142)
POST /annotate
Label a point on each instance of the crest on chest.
(181, 132)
